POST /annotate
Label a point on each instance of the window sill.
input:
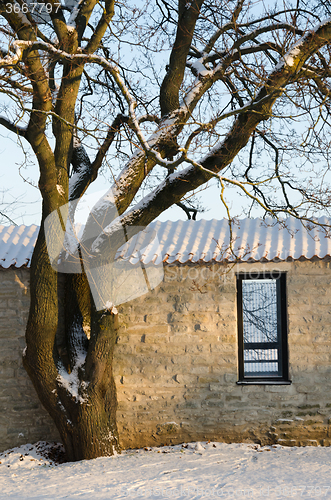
(264, 382)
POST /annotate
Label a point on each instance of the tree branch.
(12, 127)
(211, 43)
(175, 186)
(86, 172)
(187, 18)
(100, 30)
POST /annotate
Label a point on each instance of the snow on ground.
(189, 471)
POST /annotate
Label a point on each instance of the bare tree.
(164, 96)
(6, 209)
(13, 208)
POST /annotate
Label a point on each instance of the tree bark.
(84, 412)
(93, 431)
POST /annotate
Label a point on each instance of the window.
(262, 328)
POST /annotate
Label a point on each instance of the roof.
(196, 241)
(17, 244)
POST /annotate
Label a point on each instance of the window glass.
(262, 327)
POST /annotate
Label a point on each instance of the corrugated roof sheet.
(17, 244)
(194, 241)
(252, 239)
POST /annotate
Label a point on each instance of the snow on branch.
(260, 108)
(9, 60)
(134, 122)
(12, 127)
(300, 47)
(199, 69)
(300, 52)
(74, 13)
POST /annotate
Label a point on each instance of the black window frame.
(283, 378)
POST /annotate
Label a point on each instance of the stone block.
(123, 349)
(184, 339)
(145, 349)
(212, 403)
(186, 379)
(171, 349)
(200, 370)
(159, 336)
(224, 348)
(215, 386)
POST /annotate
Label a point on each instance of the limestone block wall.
(176, 362)
(22, 417)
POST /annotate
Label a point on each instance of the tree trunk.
(75, 383)
(93, 430)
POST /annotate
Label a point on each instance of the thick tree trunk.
(75, 383)
(93, 431)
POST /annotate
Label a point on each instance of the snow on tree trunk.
(77, 387)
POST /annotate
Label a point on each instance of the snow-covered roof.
(17, 244)
(194, 241)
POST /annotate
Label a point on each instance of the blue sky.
(27, 208)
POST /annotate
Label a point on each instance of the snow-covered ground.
(194, 471)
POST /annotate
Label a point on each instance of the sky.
(25, 208)
(26, 199)
(189, 471)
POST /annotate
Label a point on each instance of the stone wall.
(176, 363)
(22, 417)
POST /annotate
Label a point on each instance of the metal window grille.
(262, 328)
